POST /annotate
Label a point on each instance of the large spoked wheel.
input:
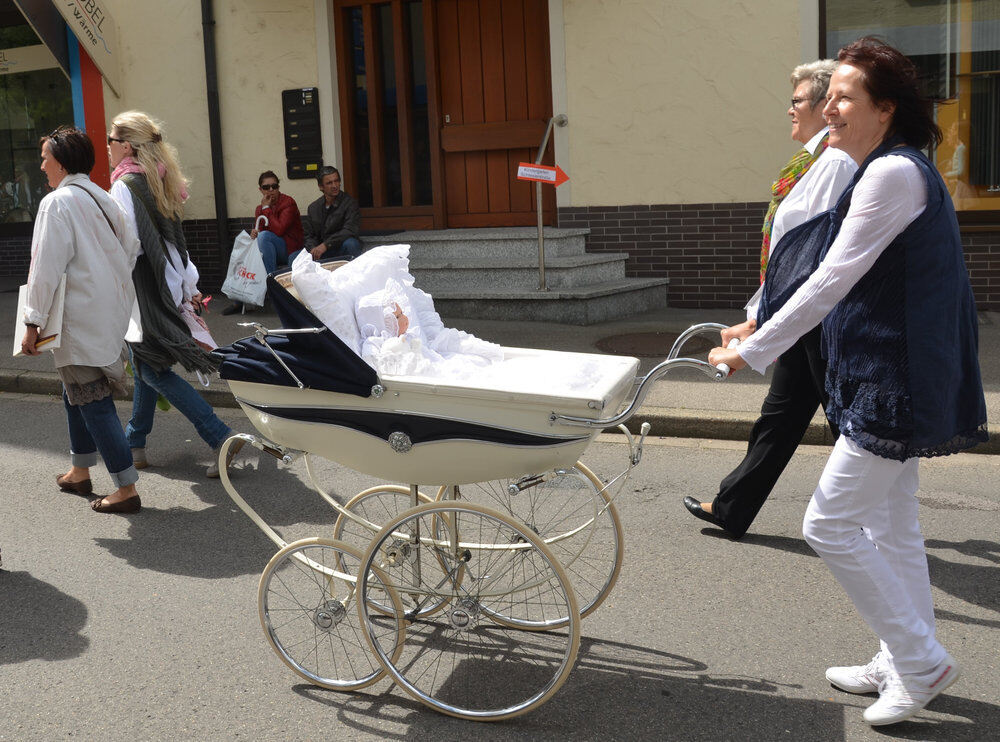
(571, 511)
(365, 515)
(483, 562)
(306, 601)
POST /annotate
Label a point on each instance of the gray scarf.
(165, 337)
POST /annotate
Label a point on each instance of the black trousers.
(797, 389)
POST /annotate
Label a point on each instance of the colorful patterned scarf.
(790, 175)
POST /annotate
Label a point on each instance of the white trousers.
(862, 520)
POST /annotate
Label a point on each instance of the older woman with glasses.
(82, 234)
(808, 185)
(900, 334)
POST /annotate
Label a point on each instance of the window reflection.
(955, 45)
(35, 97)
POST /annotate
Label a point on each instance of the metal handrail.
(560, 120)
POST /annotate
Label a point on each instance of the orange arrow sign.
(541, 173)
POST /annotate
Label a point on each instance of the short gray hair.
(818, 76)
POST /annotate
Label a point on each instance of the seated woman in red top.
(282, 235)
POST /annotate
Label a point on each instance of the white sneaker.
(902, 696)
(212, 472)
(860, 678)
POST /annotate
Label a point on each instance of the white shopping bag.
(246, 279)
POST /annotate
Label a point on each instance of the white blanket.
(355, 302)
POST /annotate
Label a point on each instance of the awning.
(89, 21)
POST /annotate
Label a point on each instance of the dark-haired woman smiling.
(899, 326)
(82, 234)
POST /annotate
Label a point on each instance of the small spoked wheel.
(571, 511)
(306, 602)
(371, 509)
(481, 562)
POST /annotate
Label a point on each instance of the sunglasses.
(269, 187)
(113, 139)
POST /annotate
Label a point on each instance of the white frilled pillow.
(334, 296)
(312, 283)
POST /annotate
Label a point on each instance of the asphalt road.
(145, 627)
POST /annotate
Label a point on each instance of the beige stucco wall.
(262, 48)
(676, 102)
(679, 102)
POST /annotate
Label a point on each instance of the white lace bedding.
(355, 301)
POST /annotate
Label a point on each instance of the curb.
(665, 422)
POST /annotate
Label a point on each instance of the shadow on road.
(623, 691)
(615, 691)
(219, 541)
(38, 622)
(978, 584)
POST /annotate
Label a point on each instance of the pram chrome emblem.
(400, 442)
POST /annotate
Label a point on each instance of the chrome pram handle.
(672, 362)
(260, 334)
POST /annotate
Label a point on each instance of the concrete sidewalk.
(685, 403)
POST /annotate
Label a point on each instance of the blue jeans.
(149, 385)
(95, 427)
(273, 250)
(350, 249)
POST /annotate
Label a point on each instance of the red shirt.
(284, 220)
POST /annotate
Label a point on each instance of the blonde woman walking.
(147, 182)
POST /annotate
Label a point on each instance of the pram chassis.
(435, 569)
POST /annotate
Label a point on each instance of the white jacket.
(72, 237)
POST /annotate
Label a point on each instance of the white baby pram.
(468, 594)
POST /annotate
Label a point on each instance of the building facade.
(677, 113)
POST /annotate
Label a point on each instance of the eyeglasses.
(796, 101)
(269, 187)
(113, 139)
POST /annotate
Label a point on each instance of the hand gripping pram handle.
(719, 373)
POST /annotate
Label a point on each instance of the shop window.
(35, 98)
(955, 45)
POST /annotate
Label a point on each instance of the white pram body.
(486, 582)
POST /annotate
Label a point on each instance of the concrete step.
(497, 242)
(582, 305)
(513, 273)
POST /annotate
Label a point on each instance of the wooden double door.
(440, 100)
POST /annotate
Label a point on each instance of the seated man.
(333, 220)
(282, 235)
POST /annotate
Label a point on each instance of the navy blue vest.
(902, 346)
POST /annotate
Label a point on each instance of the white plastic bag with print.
(246, 279)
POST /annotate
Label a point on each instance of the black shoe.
(234, 308)
(694, 507)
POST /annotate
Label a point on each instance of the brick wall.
(15, 257)
(202, 243)
(982, 256)
(711, 252)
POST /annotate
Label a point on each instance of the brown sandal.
(83, 487)
(129, 505)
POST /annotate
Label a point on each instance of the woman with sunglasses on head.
(147, 182)
(901, 340)
(80, 233)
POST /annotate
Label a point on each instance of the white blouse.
(889, 196)
(817, 191)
